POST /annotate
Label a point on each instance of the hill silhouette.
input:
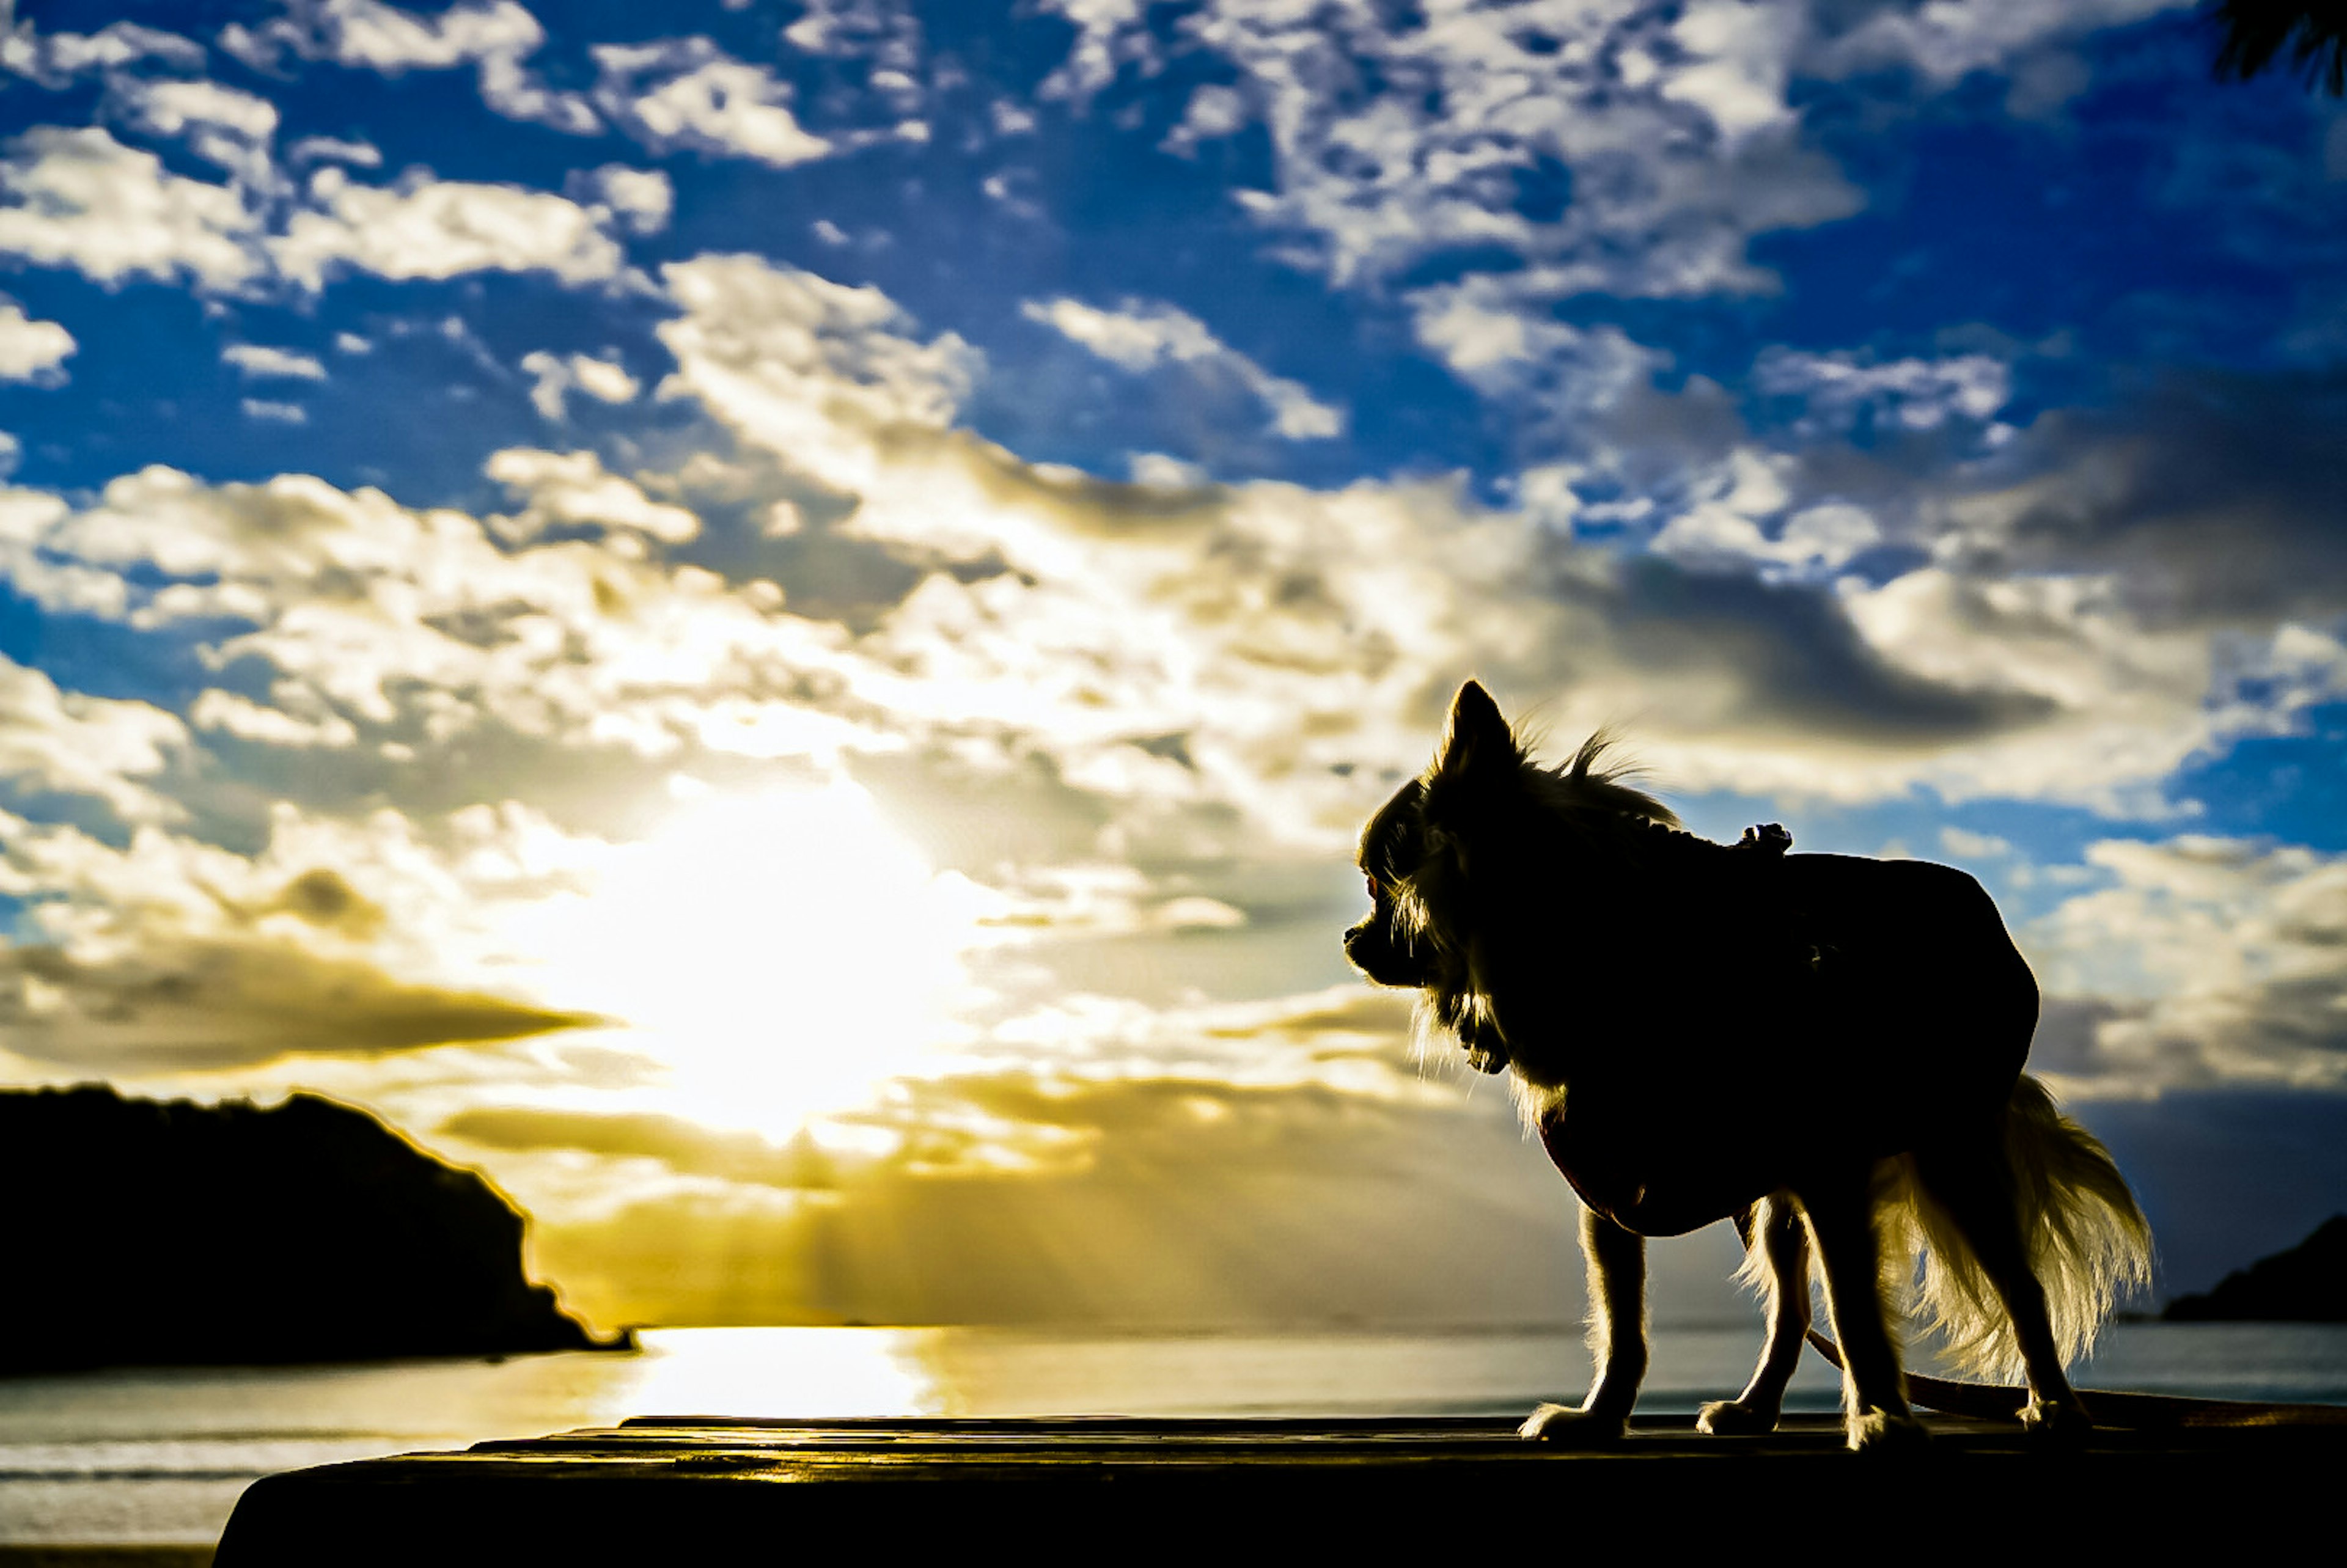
(2306, 1284)
(152, 1232)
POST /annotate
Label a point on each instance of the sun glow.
(782, 954)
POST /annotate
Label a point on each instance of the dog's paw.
(2056, 1423)
(1580, 1428)
(1735, 1418)
(1876, 1431)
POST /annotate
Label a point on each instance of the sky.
(773, 622)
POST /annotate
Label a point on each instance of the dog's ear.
(1477, 736)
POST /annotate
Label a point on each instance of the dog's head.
(1486, 847)
(1414, 855)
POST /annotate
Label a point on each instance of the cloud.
(798, 363)
(249, 721)
(557, 376)
(1943, 44)
(221, 125)
(258, 362)
(1444, 132)
(358, 938)
(642, 199)
(335, 150)
(2207, 496)
(686, 92)
(199, 1006)
(31, 350)
(495, 36)
(1845, 392)
(1142, 335)
(54, 59)
(2215, 962)
(1304, 640)
(437, 229)
(570, 491)
(73, 743)
(78, 199)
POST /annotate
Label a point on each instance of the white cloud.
(178, 109)
(73, 743)
(1142, 335)
(274, 413)
(258, 362)
(54, 59)
(686, 92)
(1667, 175)
(1212, 112)
(1966, 846)
(496, 37)
(366, 33)
(2217, 960)
(249, 721)
(1838, 391)
(1943, 43)
(437, 229)
(556, 376)
(78, 199)
(335, 150)
(807, 367)
(573, 489)
(31, 350)
(642, 199)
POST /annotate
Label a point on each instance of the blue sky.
(560, 567)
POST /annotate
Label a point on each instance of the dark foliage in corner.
(2314, 32)
(142, 1231)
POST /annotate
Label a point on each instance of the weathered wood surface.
(698, 1488)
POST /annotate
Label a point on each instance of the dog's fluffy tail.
(2089, 1242)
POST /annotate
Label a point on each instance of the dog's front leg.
(1617, 1338)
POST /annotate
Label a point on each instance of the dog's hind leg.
(1975, 1188)
(1874, 1394)
(1617, 1338)
(1782, 1243)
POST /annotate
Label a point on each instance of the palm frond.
(2312, 31)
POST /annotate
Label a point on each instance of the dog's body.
(1825, 1049)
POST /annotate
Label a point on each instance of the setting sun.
(781, 954)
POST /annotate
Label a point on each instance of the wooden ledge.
(690, 1489)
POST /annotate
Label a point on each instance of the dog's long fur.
(1825, 1050)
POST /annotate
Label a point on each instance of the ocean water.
(160, 1455)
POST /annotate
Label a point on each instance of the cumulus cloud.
(73, 743)
(437, 229)
(687, 92)
(31, 350)
(1844, 392)
(169, 954)
(2214, 962)
(1142, 335)
(495, 36)
(260, 361)
(573, 491)
(54, 59)
(556, 376)
(1226, 615)
(642, 199)
(80, 199)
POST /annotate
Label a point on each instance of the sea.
(160, 1455)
